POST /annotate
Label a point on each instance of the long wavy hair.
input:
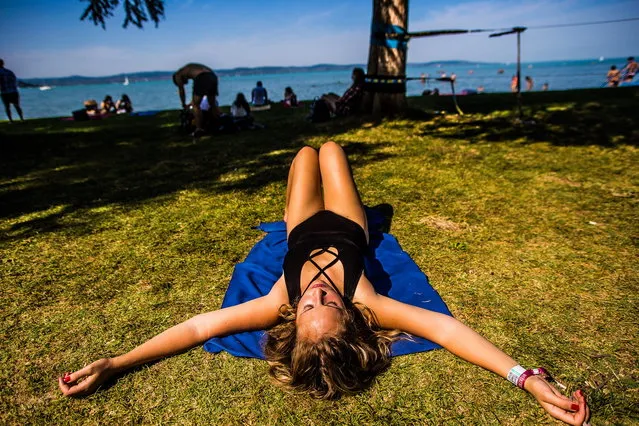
(342, 364)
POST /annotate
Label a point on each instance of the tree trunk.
(387, 57)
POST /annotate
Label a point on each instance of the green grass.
(112, 231)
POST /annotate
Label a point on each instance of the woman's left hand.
(574, 411)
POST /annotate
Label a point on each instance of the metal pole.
(519, 74)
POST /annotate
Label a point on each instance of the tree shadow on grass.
(51, 169)
(573, 121)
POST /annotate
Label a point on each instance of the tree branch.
(137, 12)
(98, 10)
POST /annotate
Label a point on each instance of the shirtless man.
(630, 70)
(204, 84)
(613, 77)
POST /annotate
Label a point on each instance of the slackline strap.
(385, 83)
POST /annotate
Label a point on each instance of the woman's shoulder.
(278, 294)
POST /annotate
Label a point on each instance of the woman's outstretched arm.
(467, 344)
(257, 314)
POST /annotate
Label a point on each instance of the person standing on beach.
(529, 83)
(630, 70)
(613, 77)
(204, 84)
(514, 84)
(9, 91)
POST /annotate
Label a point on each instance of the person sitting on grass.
(107, 106)
(290, 98)
(259, 95)
(91, 108)
(124, 105)
(241, 112)
(351, 100)
(329, 331)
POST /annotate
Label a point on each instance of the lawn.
(113, 230)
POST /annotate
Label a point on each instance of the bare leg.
(197, 111)
(340, 192)
(17, 105)
(303, 191)
(7, 108)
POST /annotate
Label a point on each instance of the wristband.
(532, 372)
(515, 373)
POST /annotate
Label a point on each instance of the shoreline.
(135, 76)
(442, 102)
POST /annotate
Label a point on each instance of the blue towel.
(390, 269)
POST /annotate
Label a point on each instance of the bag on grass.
(320, 112)
(187, 121)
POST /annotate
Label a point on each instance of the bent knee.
(331, 151)
(307, 153)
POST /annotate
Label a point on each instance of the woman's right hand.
(93, 376)
(574, 411)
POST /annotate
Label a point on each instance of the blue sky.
(45, 38)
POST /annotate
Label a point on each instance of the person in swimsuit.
(630, 70)
(290, 98)
(107, 105)
(514, 84)
(204, 84)
(529, 83)
(613, 77)
(124, 105)
(329, 331)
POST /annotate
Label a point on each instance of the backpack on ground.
(187, 121)
(320, 112)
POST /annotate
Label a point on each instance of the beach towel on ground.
(390, 269)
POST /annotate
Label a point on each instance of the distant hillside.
(166, 75)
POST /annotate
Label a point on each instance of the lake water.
(161, 95)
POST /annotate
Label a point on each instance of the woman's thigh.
(303, 191)
(340, 193)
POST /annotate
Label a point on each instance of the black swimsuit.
(326, 231)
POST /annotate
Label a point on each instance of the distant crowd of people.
(452, 80)
(94, 110)
(205, 108)
(326, 106)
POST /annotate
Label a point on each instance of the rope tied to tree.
(378, 83)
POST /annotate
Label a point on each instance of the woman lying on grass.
(329, 331)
